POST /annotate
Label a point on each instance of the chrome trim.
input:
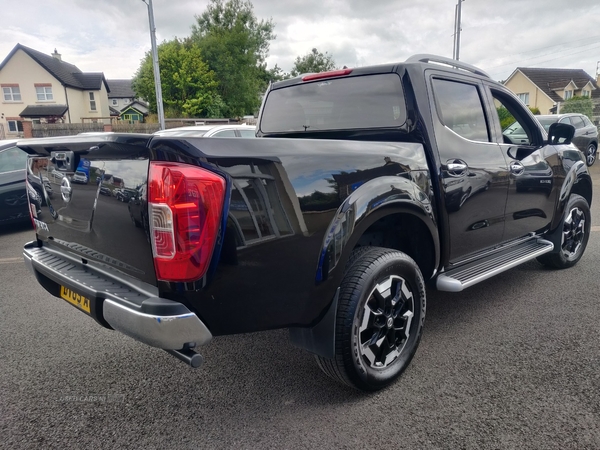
(166, 332)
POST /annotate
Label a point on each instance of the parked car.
(14, 206)
(105, 191)
(80, 177)
(244, 131)
(124, 194)
(586, 133)
(363, 188)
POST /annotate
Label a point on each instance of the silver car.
(586, 133)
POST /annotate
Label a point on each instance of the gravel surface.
(513, 362)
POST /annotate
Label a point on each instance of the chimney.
(56, 55)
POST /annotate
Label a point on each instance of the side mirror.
(560, 133)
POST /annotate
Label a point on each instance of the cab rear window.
(372, 101)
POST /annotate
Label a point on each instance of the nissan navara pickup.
(363, 187)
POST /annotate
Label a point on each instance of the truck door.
(532, 164)
(474, 172)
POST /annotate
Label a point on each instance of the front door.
(533, 167)
(474, 173)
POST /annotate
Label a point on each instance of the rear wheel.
(575, 233)
(380, 315)
(590, 154)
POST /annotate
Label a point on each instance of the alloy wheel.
(591, 154)
(385, 324)
(573, 233)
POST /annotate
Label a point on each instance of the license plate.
(75, 299)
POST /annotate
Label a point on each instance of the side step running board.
(462, 277)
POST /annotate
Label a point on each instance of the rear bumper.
(128, 306)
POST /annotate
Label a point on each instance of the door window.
(460, 109)
(577, 122)
(516, 125)
(12, 159)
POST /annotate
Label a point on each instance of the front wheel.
(380, 315)
(590, 154)
(575, 232)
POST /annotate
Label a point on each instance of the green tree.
(507, 119)
(189, 87)
(313, 62)
(581, 105)
(235, 45)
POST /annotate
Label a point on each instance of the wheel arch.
(358, 219)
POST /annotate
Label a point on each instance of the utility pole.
(157, 85)
(457, 30)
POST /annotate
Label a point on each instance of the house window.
(524, 98)
(568, 95)
(14, 126)
(92, 102)
(11, 93)
(585, 93)
(115, 102)
(44, 93)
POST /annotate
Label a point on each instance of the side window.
(12, 159)
(247, 133)
(460, 109)
(577, 122)
(224, 133)
(513, 120)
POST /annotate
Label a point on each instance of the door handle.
(516, 168)
(456, 167)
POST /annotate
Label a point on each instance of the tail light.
(185, 204)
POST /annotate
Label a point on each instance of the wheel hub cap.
(385, 324)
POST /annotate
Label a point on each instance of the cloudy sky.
(111, 36)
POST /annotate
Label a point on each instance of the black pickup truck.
(362, 187)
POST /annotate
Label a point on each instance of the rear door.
(474, 169)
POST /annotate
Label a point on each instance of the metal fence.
(64, 129)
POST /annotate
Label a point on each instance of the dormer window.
(585, 93)
(568, 94)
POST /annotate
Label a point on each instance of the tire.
(381, 302)
(590, 154)
(574, 235)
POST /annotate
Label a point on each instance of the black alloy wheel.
(380, 315)
(574, 235)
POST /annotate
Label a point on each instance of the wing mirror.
(560, 133)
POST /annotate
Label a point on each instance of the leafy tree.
(314, 61)
(235, 45)
(189, 87)
(581, 105)
(507, 119)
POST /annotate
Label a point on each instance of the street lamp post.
(457, 30)
(159, 100)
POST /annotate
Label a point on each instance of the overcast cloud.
(111, 36)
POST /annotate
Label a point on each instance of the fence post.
(107, 128)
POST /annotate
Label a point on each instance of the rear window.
(373, 101)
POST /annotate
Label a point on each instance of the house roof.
(68, 74)
(131, 108)
(120, 89)
(44, 110)
(113, 111)
(548, 80)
